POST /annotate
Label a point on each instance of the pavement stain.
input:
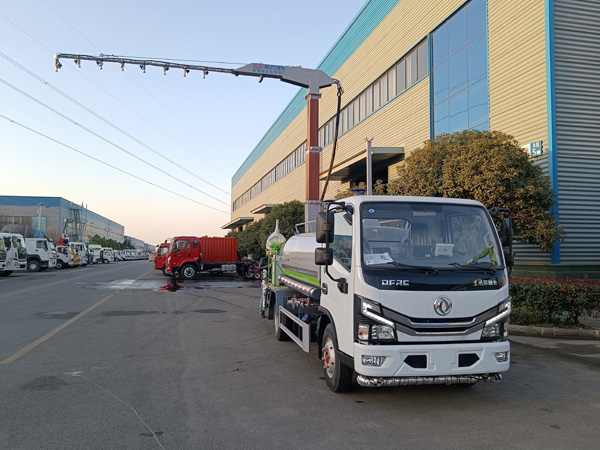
(57, 315)
(44, 383)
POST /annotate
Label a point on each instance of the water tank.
(298, 258)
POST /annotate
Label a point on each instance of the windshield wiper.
(431, 270)
(472, 268)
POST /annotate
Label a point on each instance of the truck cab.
(16, 253)
(2, 256)
(405, 290)
(41, 254)
(107, 255)
(160, 257)
(64, 256)
(80, 249)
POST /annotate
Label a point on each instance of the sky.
(153, 152)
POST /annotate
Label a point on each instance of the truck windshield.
(162, 251)
(18, 242)
(428, 235)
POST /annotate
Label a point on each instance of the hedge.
(553, 300)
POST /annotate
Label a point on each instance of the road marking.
(48, 335)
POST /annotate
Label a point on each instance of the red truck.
(190, 255)
(160, 258)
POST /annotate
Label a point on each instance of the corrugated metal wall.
(517, 80)
(577, 62)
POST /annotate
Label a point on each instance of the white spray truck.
(16, 253)
(397, 291)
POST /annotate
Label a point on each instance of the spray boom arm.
(312, 79)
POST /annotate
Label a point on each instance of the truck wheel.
(279, 333)
(188, 272)
(33, 266)
(60, 264)
(337, 375)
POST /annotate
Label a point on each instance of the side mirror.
(506, 232)
(324, 230)
(509, 258)
(323, 256)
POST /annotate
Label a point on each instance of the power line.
(98, 116)
(127, 106)
(107, 164)
(104, 139)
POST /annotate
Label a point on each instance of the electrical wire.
(127, 106)
(58, 113)
(107, 164)
(335, 139)
(106, 121)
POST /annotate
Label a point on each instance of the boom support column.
(313, 159)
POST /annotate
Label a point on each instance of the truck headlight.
(382, 332)
(497, 326)
(375, 332)
(373, 311)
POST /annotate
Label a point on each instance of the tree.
(489, 167)
(252, 240)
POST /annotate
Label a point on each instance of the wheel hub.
(329, 357)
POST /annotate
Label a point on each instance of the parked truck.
(160, 256)
(397, 291)
(64, 256)
(41, 254)
(190, 255)
(95, 253)
(2, 256)
(106, 255)
(81, 250)
(16, 253)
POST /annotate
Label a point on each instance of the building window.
(459, 60)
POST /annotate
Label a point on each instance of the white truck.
(95, 252)
(397, 290)
(64, 256)
(2, 256)
(16, 253)
(107, 255)
(81, 251)
(41, 254)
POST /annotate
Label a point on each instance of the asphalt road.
(106, 357)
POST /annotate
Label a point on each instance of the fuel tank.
(298, 259)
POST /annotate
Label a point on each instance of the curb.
(560, 333)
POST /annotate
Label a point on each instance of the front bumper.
(433, 360)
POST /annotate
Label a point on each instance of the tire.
(279, 333)
(60, 264)
(164, 272)
(105, 261)
(188, 272)
(338, 376)
(33, 265)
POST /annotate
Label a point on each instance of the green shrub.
(553, 301)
